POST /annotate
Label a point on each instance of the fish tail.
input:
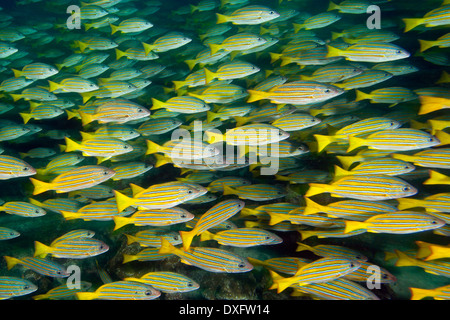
(303, 247)
(16, 97)
(205, 236)
(85, 117)
(82, 46)
(221, 18)
(40, 186)
(86, 295)
(312, 207)
(187, 237)
(240, 121)
(412, 23)
(166, 247)
(445, 78)
(333, 6)
(26, 117)
(430, 104)
(214, 48)
(135, 189)
(17, 73)
(362, 96)
(334, 52)
(11, 262)
(130, 239)
(40, 297)
(336, 35)
(256, 95)
(120, 54)
(160, 160)
(354, 143)
(128, 258)
(114, 28)
(210, 116)
(123, 201)
(285, 61)
(71, 145)
(316, 188)
(227, 190)
(425, 45)
(193, 8)
(86, 135)
(297, 27)
(263, 30)
(323, 141)
(156, 104)
(347, 161)
(419, 294)
(438, 125)
(437, 178)
(152, 147)
(69, 215)
(354, 225)
(209, 75)
(274, 56)
(276, 218)
(443, 137)
(255, 262)
(53, 86)
(406, 203)
(436, 252)
(147, 48)
(339, 172)
(213, 137)
(191, 64)
(178, 84)
(71, 114)
(404, 260)
(120, 222)
(41, 250)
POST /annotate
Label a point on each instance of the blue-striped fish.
(158, 126)
(440, 293)
(209, 259)
(121, 290)
(152, 237)
(39, 265)
(238, 42)
(167, 282)
(370, 52)
(434, 18)
(147, 254)
(356, 210)
(103, 148)
(429, 158)
(396, 139)
(439, 267)
(36, 71)
(131, 25)
(249, 15)
(24, 209)
(324, 250)
(160, 196)
(7, 233)
(401, 222)
(363, 187)
(321, 270)
(317, 21)
(167, 42)
(256, 192)
(75, 179)
(297, 93)
(11, 167)
(63, 292)
(96, 211)
(11, 287)
(231, 70)
(185, 104)
(242, 237)
(155, 218)
(387, 166)
(214, 216)
(80, 248)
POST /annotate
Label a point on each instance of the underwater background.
(39, 32)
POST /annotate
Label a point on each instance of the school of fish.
(165, 117)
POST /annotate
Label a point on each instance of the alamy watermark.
(74, 21)
(374, 21)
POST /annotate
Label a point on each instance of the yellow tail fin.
(120, 222)
(437, 178)
(221, 18)
(41, 250)
(355, 143)
(11, 262)
(152, 147)
(362, 96)
(120, 54)
(70, 215)
(256, 95)
(339, 172)
(354, 225)
(86, 118)
(324, 141)
(316, 188)
(227, 190)
(412, 23)
(419, 294)
(156, 104)
(114, 28)
(129, 258)
(209, 75)
(123, 201)
(86, 295)
(425, 45)
(54, 86)
(312, 207)
(166, 247)
(214, 48)
(72, 145)
(40, 186)
(407, 203)
(26, 117)
(334, 52)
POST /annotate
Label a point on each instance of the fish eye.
(105, 173)
(271, 12)
(434, 222)
(25, 169)
(148, 293)
(190, 284)
(327, 90)
(259, 39)
(352, 264)
(183, 216)
(190, 191)
(431, 139)
(241, 265)
(125, 147)
(398, 51)
(26, 287)
(37, 211)
(267, 238)
(406, 188)
(175, 238)
(58, 272)
(130, 87)
(139, 110)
